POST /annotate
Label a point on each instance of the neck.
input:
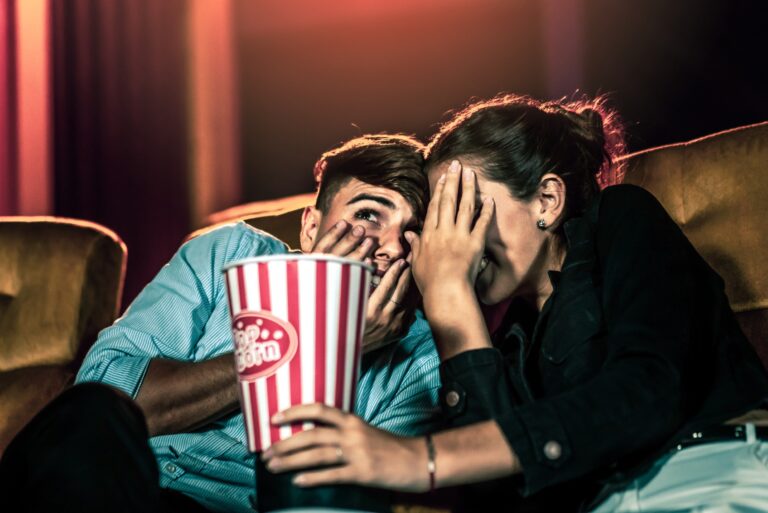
(553, 257)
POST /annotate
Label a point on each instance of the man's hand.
(388, 313)
(346, 241)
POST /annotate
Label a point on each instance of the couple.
(617, 379)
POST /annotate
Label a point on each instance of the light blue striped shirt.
(183, 315)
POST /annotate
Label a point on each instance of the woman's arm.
(358, 453)
(446, 262)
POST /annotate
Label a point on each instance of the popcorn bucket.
(297, 326)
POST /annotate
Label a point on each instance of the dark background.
(312, 73)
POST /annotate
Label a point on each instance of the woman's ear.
(551, 200)
(310, 224)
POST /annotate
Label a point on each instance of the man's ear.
(551, 199)
(310, 225)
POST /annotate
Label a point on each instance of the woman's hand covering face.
(447, 255)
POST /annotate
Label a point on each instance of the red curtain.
(8, 132)
(120, 124)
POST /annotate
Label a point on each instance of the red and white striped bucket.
(297, 325)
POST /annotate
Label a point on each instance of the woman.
(619, 376)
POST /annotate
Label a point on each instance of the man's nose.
(391, 245)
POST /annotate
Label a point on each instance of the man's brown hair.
(383, 160)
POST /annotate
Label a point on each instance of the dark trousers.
(87, 451)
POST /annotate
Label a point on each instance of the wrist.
(421, 480)
(457, 322)
(441, 303)
(431, 462)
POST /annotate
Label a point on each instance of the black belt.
(720, 434)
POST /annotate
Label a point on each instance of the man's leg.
(87, 451)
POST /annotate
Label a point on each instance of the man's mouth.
(378, 274)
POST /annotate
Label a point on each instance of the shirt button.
(170, 467)
(553, 450)
(452, 398)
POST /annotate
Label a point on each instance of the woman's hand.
(451, 245)
(446, 262)
(352, 451)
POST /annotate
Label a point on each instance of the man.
(172, 354)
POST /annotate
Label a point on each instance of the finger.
(399, 291)
(303, 440)
(313, 457)
(414, 241)
(330, 238)
(430, 218)
(345, 474)
(446, 216)
(466, 213)
(351, 240)
(316, 412)
(483, 222)
(386, 286)
(362, 250)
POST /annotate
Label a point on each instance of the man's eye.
(367, 215)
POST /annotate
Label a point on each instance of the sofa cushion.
(60, 285)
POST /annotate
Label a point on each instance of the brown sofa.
(715, 188)
(60, 283)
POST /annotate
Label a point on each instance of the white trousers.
(717, 477)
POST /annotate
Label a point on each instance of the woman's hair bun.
(592, 124)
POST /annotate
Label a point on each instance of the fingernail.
(358, 230)
(299, 480)
(366, 241)
(488, 200)
(277, 418)
(442, 179)
(454, 167)
(273, 465)
(467, 175)
(408, 236)
(340, 224)
(267, 454)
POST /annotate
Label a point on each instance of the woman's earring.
(541, 224)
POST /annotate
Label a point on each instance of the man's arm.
(151, 353)
(181, 396)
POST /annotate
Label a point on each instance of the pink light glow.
(35, 195)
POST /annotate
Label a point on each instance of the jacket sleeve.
(635, 402)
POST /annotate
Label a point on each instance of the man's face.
(383, 213)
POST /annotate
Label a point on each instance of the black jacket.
(635, 348)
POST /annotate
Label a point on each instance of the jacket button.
(170, 468)
(452, 398)
(553, 450)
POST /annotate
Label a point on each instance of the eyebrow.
(372, 197)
